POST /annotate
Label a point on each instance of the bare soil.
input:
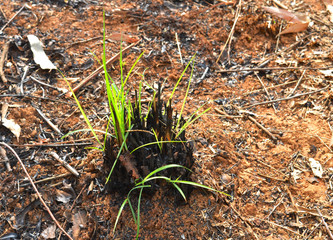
(254, 144)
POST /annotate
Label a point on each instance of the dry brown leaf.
(300, 22)
(294, 28)
(79, 221)
(284, 14)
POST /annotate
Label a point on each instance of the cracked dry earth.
(257, 142)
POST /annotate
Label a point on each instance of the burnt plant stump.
(159, 125)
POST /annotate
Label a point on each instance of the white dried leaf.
(49, 232)
(327, 73)
(316, 168)
(12, 126)
(296, 174)
(39, 55)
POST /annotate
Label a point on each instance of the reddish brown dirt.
(275, 193)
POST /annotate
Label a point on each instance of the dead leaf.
(300, 22)
(40, 56)
(316, 168)
(63, 196)
(327, 73)
(296, 27)
(49, 232)
(79, 221)
(284, 14)
(12, 126)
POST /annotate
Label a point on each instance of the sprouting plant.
(124, 115)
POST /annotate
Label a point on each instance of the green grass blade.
(133, 66)
(190, 121)
(82, 111)
(179, 190)
(152, 143)
(161, 169)
(115, 162)
(199, 185)
(181, 76)
(186, 94)
(133, 212)
(119, 214)
(138, 215)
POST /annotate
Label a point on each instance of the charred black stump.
(150, 157)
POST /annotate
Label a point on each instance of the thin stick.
(267, 165)
(83, 41)
(180, 53)
(327, 228)
(278, 225)
(36, 190)
(5, 159)
(271, 87)
(37, 97)
(69, 143)
(48, 121)
(10, 20)
(65, 164)
(264, 87)
(3, 59)
(271, 69)
(287, 98)
(273, 178)
(48, 85)
(245, 221)
(228, 42)
(100, 69)
(262, 128)
(297, 84)
(47, 179)
(280, 201)
(293, 204)
(280, 4)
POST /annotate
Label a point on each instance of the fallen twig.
(47, 179)
(5, 159)
(297, 84)
(263, 128)
(180, 53)
(55, 144)
(48, 121)
(272, 69)
(100, 69)
(278, 225)
(36, 190)
(229, 40)
(3, 58)
(65, 164)
(287, 98)
(280, 201)
(48, 85)
(247, 223)
(325, 224)
(267, 93)
(12, 18)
